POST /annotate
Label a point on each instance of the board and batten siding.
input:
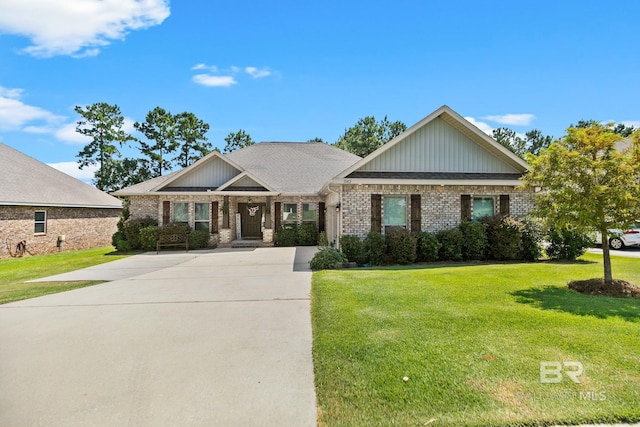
(213, 174)
(438, 147)
(245, 181)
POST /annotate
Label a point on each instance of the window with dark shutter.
(214, 217)
(504, 205)
(376, 213)
(166, 212)
(465, 207)
(321, 217)
(416, 213)
(277, 215)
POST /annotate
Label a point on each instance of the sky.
(296, 70)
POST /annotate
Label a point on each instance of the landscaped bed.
(15, 272)
(462, 345)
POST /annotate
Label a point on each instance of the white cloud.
(211, 80)
(634, 123)
(72, 168)
(77, 27)
(481, 125)
(68, 133)
(511, 119)
(14, 114)
(257, 73)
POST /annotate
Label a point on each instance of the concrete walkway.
(217, 338)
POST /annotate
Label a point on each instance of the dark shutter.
(321, 216)
(376, 213)
(504, 205)
(166, 212)
(225, 212)
(277, 214)
(214, 217)
(465, 205)
(416, 213)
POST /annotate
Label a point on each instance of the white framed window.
(289, 212)
(202, 216)
(181, 212)
(395, 212)
(309, 212)
(40, 222)
(483, 206)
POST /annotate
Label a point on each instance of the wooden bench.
(172, 240)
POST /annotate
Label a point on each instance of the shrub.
(374, 248)
(149, 237)
(308, 234)
(327, 258)
(530, 249)
(474, 240)
(122, 245)
(118, 236)
(427, 247)
(567, 244)
(353, 249)
(132, 228)
(401, 246)
(198, 239)
(175, 228)
(504, 238)
(287, 235)
(450, 245)
(322, 239)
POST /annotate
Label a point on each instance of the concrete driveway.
(219, 338)
(630, 252)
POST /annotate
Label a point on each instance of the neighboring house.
(50, 210)
(438, 171)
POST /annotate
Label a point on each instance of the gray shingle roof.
(293, 167)
(27, 181)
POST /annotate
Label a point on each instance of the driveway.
(630, 252)
(218, 338)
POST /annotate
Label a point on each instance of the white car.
(619, 239)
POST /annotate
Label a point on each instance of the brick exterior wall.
(440, 209)
(83, 228)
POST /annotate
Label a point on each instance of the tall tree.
(160, 128)
(317, 139)
(190, 134)
(237, 140)
(510, 139)
(368, 135)
(619, 128)
(126, 172)
(103, 123)
(536, 141)
(587, 184)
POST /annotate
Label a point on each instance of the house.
(49, 210)
(437, 172)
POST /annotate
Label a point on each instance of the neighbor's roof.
(281, 167)
(25, 181)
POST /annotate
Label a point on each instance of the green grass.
(14, 272)
(470, 338)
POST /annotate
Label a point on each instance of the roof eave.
(441, 182)
(60, 205)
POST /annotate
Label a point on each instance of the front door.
(251, 220)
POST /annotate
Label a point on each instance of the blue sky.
(295, 70)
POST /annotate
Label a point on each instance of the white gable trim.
(197, 165)
(458, 122)
(239, 177)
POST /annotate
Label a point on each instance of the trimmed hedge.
(353, 249)
(427, 247)
(504, 238)
(132, 227)
(198, 239)
(450, 245)
(374, 248)
(327, 258)
(401, 246)
(474, 240)
(565, 244)
(287, 235)
(308, 234)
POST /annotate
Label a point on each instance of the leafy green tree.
(190, 134)
(536, 141)
(587, 184)
(103, 123)
(160, 128)
(619, 128)
(317, 139)
(510, 139)
(126, 172)
(237, 140)
(368, 135)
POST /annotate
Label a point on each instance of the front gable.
(208, 173)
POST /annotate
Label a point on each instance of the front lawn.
(469, 339)
(14, 272)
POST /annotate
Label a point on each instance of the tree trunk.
(608, 276)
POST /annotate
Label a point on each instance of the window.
(181, 212)
(395, 211)
(482, 206)
(202, 216)
(40, 222)
(309, 212)
(289, 212)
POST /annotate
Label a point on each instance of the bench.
(172, 240)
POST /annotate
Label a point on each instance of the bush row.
(142, 234)
(292, 235)
(495, 238)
